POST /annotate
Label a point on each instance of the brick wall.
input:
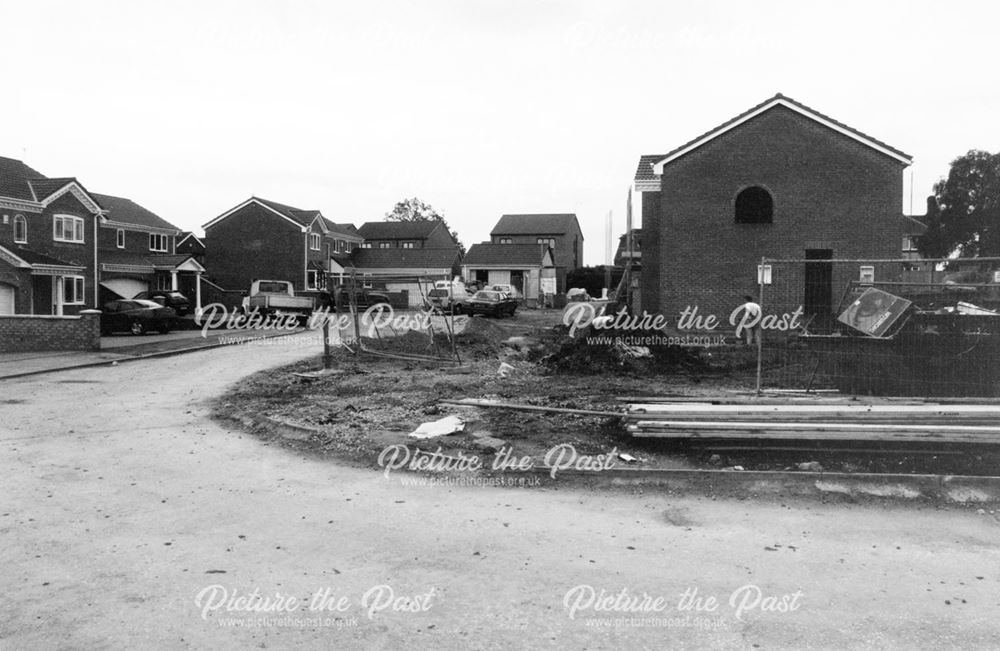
(22, 333)
(829, 192)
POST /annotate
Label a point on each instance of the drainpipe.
(97, 218)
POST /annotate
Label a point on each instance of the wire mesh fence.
(399, 316)
(882, 327)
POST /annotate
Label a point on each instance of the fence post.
(760, 332)
(327, 357)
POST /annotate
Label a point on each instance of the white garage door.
(125, 287)
(6, 299)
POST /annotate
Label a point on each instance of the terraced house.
(48, 243)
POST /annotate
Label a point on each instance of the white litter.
(442, 427)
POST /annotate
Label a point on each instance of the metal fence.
(881, 327)
(389, 316)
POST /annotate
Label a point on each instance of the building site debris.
(441, 427)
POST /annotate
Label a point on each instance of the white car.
(509, 290)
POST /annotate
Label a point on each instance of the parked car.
(167, 298)
(491, 303)
(448, 300)
(364, 298)
(137, 316)
(509, 290)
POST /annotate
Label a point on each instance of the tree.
(415, 210)
(966, 217)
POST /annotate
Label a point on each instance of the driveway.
(122, 504)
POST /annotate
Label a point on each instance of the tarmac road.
(121, 503)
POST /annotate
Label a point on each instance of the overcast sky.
(478, 108)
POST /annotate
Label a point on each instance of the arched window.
(754, 206)
(20, 229)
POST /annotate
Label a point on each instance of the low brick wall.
(22, 333)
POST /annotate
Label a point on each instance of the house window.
(385, 245)
(163, 282)
(551, 241)
(867, 275)
(66, 228)
(120, 239)
(506, 240)
(312, 280)
(367, 284)
(366, 245)
(341, 245)
(314, 242)
(407, 245)
(754, 206)
(158, 242)
(909, 243)
(20, 229)
(72, 290)
(764, 274)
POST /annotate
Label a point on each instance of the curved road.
(122, 503)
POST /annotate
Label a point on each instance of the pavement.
(131, 519)
(123, 348)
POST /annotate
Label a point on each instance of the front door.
(819, 285)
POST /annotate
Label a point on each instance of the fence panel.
(883, 327)
(393, 316)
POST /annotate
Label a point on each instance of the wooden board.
(765, 434)
(813, 427)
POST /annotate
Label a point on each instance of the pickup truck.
(277, 297)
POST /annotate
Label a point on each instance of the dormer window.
(20, 229)
(754, 206)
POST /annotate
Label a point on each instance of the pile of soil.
(580, 356)
(481, 339)
(411, 343)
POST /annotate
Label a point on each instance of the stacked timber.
(893, 422)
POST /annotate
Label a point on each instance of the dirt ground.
(370, 402)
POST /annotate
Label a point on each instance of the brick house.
(561, 232)
(406, 273)
(260, 238)
(529, 268)
(189, 243)
(48, 243)
(137, 251)
(426, 234)
(779, 180)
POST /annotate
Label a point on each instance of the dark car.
(137, 316)
(491, 303)
(175, 300)
(364, 298)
